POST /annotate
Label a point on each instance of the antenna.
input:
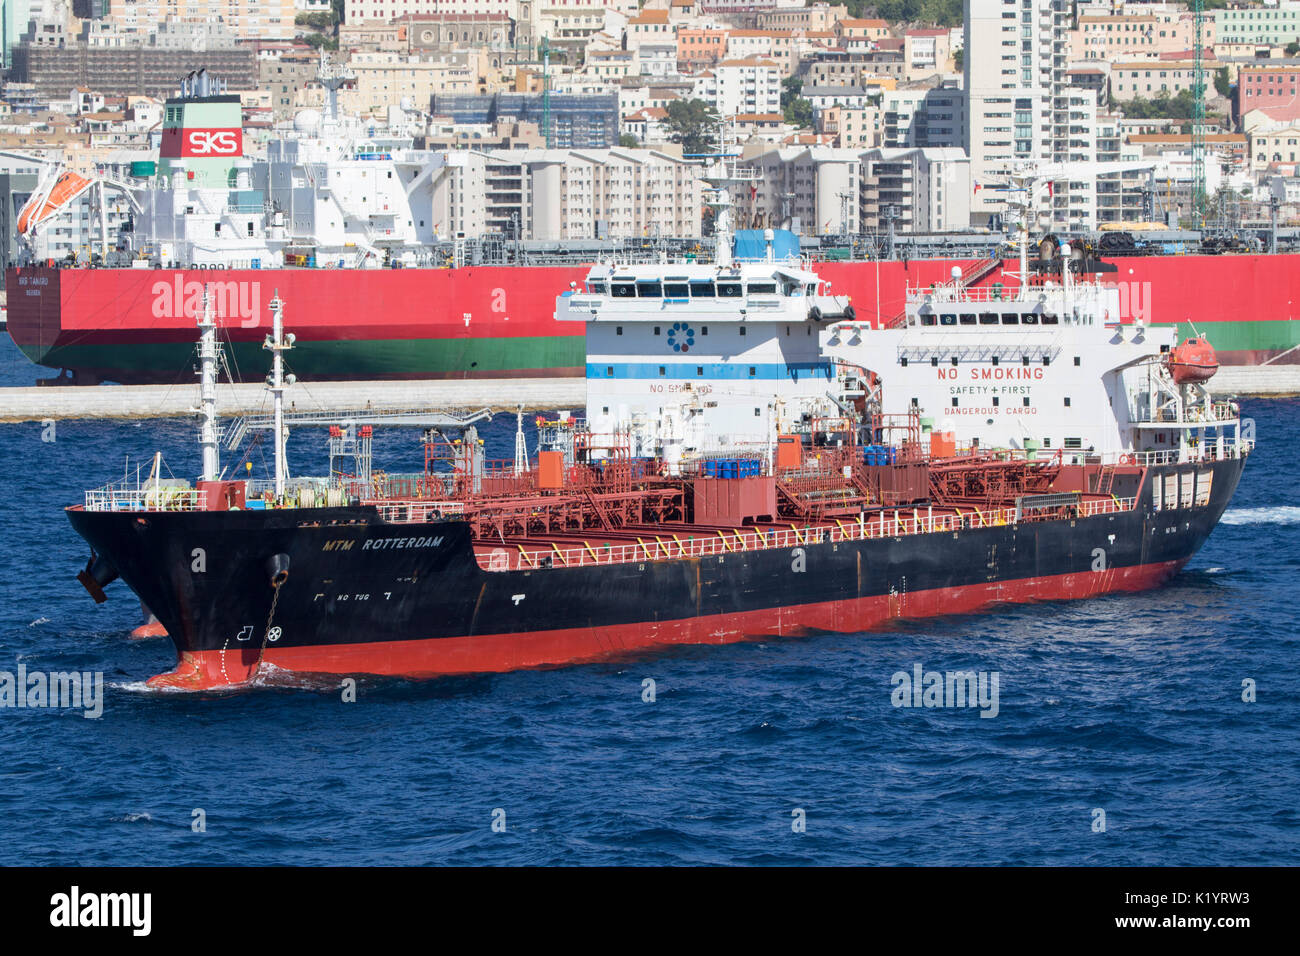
(332, 76)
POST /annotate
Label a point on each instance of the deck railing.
(669, 545)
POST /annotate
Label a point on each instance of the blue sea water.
(1130, 704)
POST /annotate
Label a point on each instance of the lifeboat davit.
(40, 207)
(1192, 362)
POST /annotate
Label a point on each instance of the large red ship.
(136, 325)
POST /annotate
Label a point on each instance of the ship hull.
(137, 326)
(353, 605)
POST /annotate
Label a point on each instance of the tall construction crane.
(1199, 199)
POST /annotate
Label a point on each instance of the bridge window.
(988, 318)
(676, 290)
(702, 288)
(649, 289)
(968, 318)
(1030, 318)
(623, 290)
(596, 286)
(948, 318)
(927, 318)
(1010, 318)
(729, 290)
(762, 288)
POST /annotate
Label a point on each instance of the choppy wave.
(1275, 514)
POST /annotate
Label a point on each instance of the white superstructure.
(693, 358)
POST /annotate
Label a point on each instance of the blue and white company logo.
(681, 337)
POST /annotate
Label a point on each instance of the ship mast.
(720, 176)
(208, 390)
(278, 343)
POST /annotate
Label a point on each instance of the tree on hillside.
(692, 123)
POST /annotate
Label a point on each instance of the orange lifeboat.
(1193, 361)
(40, 207)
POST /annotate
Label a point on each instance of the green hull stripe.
(1246, 336)
(337, 359)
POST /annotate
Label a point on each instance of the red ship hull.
(137, 325)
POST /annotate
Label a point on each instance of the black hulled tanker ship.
(753, 463)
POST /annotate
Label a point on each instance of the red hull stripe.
(505, 652)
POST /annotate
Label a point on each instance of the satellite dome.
(306, 121)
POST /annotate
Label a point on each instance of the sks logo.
(681, 337)
(230, 300)
(202, 142)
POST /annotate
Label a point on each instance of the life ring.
(1127, 460)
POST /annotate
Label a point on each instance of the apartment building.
(1150, 78)
(811, 190)
(1017, 106)
(244, 18)
(741, 86)
(929, 189)
(1273, 88)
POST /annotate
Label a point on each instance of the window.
(729, 290)
(1024, 360)
(752, 371)
(996, 401)
(649, 289)
(954, 401)
(1067, 401)
(1010, 318)
(988, 318)
(676, 290)
(1076, 360)
(609, 371)
(1074, 443)
(623, 290)
(662, 370)
(762, 288)
(1025, 401)
(743, 330)
(968, 318)
(948, 318)
(927, 318)
(1050, 318)
(618, 330)
(656, 330)
(1029, 318)
(595, 286)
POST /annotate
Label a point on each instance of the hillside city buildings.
(562, 119)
